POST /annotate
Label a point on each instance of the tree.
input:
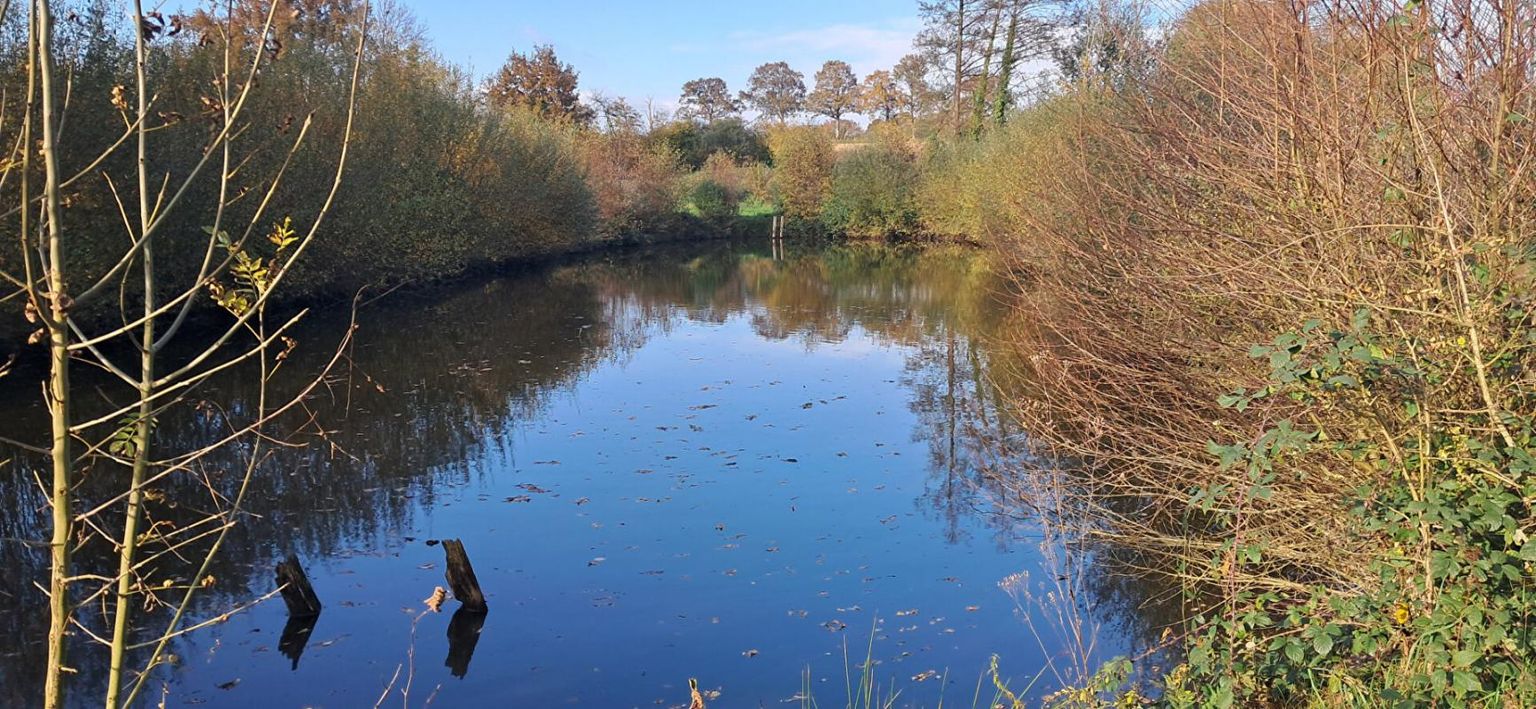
(836, 93)
(617, 114)
(539, 81)
(707, 100)
(803, 158)
(911, 77)
(1005, 72)
(693, 143)
(880, 96)
(1103, 43)
(1027, 37)
(777, 91)
(982, 91)
(955, 34)
(247, 255)
(655, 116)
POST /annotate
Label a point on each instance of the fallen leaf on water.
(972, 609)
(597, 560)
(230, 684)
(750, 653)
(835, 625)
(520, 498)
(924, 676)
(583, 500)
(435, 601)
(905, 613)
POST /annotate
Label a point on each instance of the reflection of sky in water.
(706, 500)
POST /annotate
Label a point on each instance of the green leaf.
(1294, 653)
(1322, 644)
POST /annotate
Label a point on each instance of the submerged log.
(461, 577)
(297, 593)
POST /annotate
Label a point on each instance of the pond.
(713, 461)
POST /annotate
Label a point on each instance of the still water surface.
(687, 462)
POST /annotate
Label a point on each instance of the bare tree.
(911, 76)
(242, 266)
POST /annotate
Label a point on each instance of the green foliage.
(694, 143)
(803, 160)
(1445, 610)
(872, 193)
(711, 201)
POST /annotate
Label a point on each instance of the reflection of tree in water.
(436, 380)
(444, 378)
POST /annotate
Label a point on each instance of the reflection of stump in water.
(463, 635)
(296, 637)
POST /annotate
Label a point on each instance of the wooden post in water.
(297, 593)
(461, 577)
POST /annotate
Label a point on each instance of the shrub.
(872, 193)
(711, 201)
(635, 183)
(694, 144)
(803, 159)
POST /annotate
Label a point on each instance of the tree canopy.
(880, 96)
(777, 91)
(707, 100)
(539, 81)
(836, 93)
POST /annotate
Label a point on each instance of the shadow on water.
(701, 460)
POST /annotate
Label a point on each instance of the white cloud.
(867, 47)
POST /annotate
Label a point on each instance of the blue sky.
(636, 48)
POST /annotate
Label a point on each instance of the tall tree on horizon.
(539, 81)
(880, 96)
(836, 93)
(708, 100)
(911, 76)
(777, 91)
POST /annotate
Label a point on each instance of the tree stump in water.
(297, 593)
(461, 577)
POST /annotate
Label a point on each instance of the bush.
(1278, 335)
(711, 201)
(694, 144)
(872, 193)
(635, 183)
(803, 158)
